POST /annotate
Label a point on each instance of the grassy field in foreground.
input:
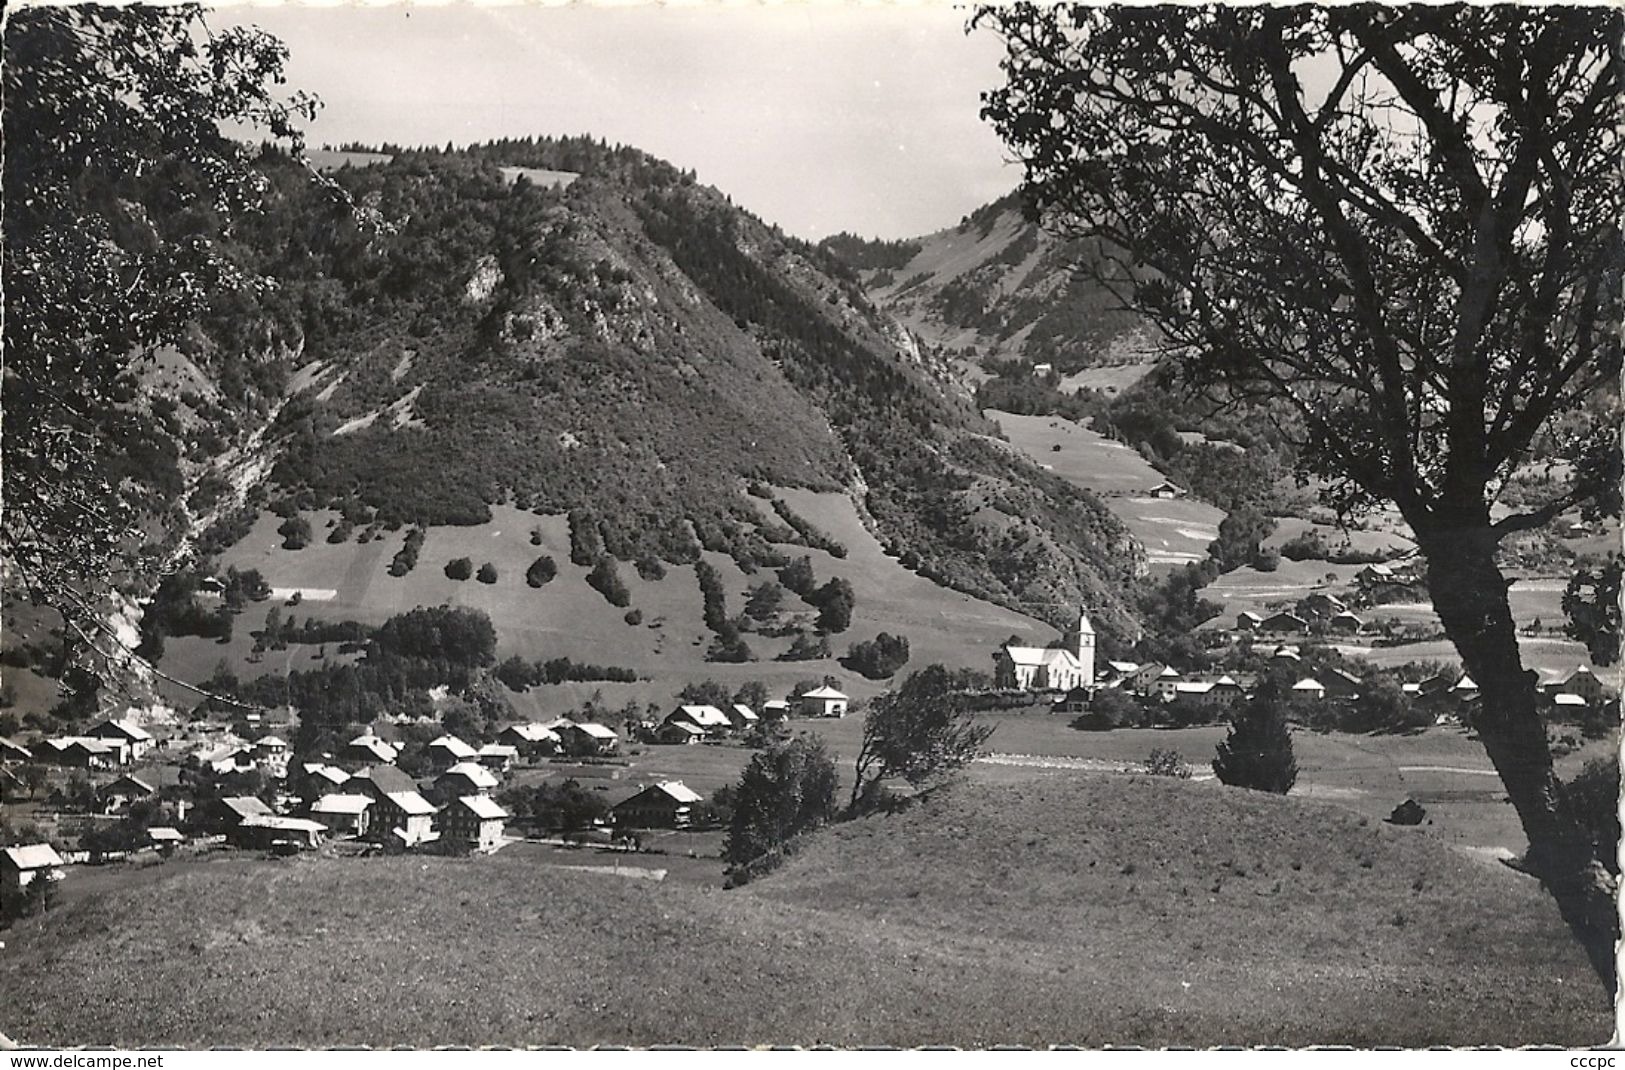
(1090, 910)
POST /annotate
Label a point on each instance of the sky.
(817, 117)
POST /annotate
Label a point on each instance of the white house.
(823, 702)
(20, 866)
(1309, 688)
(1031, 668)
(345, 814)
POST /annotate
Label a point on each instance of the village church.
(1063, 668)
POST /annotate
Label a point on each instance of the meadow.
(1173, 531)
(1082, 910)
(566, 617)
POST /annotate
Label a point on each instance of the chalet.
(1340, 684)
(1373, 575)
(823, 702)
(1284, 622)
(1031, 668)
(379, 780)
(1042, 369)
(272, 747)
(1286, 653)
(589, 738)
(1346, 623)
(165, 839)
(272, 832)
(135, 739)
(317, 779)
(85, 752)
(464, 778)
(1074, 701)
(226, 814)
(1195, 693)
(776, 710)
(342, 813)
(1143, 680)
(401, 819)
(1166, 490)
(531, 740)
(1115, 673)
(228, 758)
(367, 748)
(473, 821)
(1226, 689)
(708, 719)
(1464, 689)
(1167, 683)
(498, 756)
(117, 796)
(1321, 604)
(1583, 682)
(679, 732)
(668, 804)
(12, 751)
(22, 865)
(741, 716)
(448, 750)
(1309, 688)
(1248, 621)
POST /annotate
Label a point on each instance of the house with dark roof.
(679, 732)
(135, 738)
(447, 750)
(117, 796)
(668, 804)
(531, 740)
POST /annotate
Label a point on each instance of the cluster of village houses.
(1070, 669)
(362, 794)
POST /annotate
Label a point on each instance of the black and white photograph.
(810, 525)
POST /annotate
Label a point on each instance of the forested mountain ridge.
(635, 351)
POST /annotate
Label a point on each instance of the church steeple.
(1086, 648)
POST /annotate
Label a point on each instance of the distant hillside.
(1072, 910)
(635, 351)
(998, 288)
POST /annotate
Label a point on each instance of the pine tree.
(1257, 753)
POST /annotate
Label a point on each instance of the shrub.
(295, 532)
(634, 617)
(807, 648)
(1306, 546)
(783, 791)
(1267, 559)
(487, 573)
(541, 571)
(650, 567)
(1257, 753)
(879, 657)
(835, 602)
(605, 578)
(1110, 708)
(1167, 763)
(798, 576)
(460, 568)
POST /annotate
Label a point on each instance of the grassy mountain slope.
(1070, 910)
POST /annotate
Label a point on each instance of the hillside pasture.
(1109, 379)
(568, 618)
(1173, 531)
(1085, 910)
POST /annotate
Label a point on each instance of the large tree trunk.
(1470, 596)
